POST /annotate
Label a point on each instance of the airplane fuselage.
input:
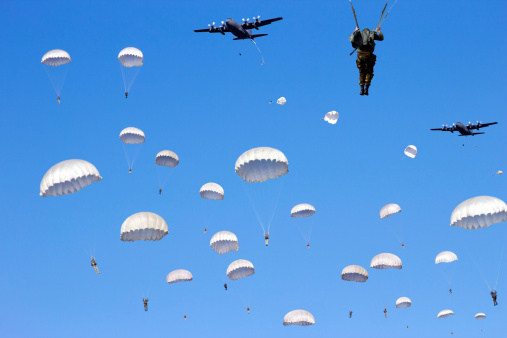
(236, 29)
(463, 130)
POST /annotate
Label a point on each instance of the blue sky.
(441, 62)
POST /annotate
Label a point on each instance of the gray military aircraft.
(465, 130)
(241, 31)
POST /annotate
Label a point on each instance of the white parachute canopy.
(479, 212)
(131, 59)
(480, 316)
(445, 314)
(223, 242)
(386, 261)
(143, 226)
(389, 209)
(52, 61)
(261, 164)
(299, 317)
(411, 151)
(239, 269)
(67, 177)
(446, 257)
(167, 158)
(302, 210)
(355, 273)
(212, 191)
(499, 172)
(403, 302)
(331, 117)
(131, 135)
(179, 276)
(281, 101)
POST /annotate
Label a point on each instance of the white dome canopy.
(299, 317)
(403, 302)
(179, 276)
(281, 101)
(67, 177)
(212, 191)
(446, 257)
(479, 212)
(144, 226)
(480, 316)
(389, 209)
(331, 117)
(55, 58)
(223, 242)
(261, 164)
(131, 57)
(355, 273)
(167, 158)
(131, 135)
(411, 151)
(239, 269)
(445, 314)
(386, 261)
(302, 210)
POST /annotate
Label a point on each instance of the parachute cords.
(382, 20)
(259, 51)
(500, 264)
(480, 271)
(276, 204)
(255, 210)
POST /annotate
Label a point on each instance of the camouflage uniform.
(366, 60)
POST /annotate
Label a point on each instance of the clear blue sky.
(441, 62)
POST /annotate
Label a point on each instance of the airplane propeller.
(212, 26)
(256, 21)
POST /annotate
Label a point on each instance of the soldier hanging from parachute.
(94, 265)
(364, 42)
(145, 302)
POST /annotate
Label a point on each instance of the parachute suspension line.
(255, 210)
(163, 178)
(136, 153)
(382, 20)
(381, 15)
(501, 260)
(58, 79)
(301, 232)
(262, 57)
(276, 204)
(478, 269)
(126, 154)
(124, 79)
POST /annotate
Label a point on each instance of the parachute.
(499, 172)
(479, 212)
(480, 316)
(131, 59)
(389, 209)
(299, 317)
(239, 269)
(52, 61)
(223, 242)
(445, 314)
(331, 117)
(446, 257)
(281, 101)
(411, 151)
(180, 275)
(261, 164)
(68, 177)
(302, 211)
(355, 273)
(212, 191)
(403, 302)
(134, 138)
(144, 226)
(165, 158)
(386, 261)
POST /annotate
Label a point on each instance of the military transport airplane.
(465, 130)
(241, 31)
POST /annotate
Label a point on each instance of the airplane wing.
(220, 29)
(259, 23)
(481, 125)
(444, 129)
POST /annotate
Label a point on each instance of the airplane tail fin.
(257, 35)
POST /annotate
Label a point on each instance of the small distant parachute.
(480, 316)
(131, 60)
(52, 61)
(167, 158)
(499, 172)
(143, 226)
(212, 191)
(302, 210)
(446, 257)
(281, 101)
(411, 151)
(134, 138)
(223, 242)
(386, 261)
(261, 164)
(240, 268)
(403, 302)
(445, 314)
(331, 117)
(68, 177)
(355, 273)
(180, 275)
(479, 212)
(389, 209)
(299, 317)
